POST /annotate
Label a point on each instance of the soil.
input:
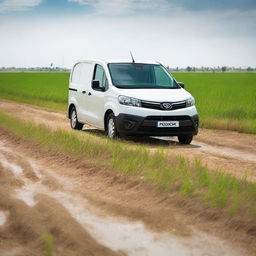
(91, 210)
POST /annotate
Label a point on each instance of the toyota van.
(130, 98)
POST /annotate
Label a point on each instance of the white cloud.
(125, 7)
(17, 5)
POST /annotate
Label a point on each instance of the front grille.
(146, 104)
(157, 105)
(178, 105)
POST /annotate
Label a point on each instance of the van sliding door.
(86, 74)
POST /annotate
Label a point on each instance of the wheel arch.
(107, 113)
(69, 109)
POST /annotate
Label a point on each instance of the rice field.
(43, 89)
(224, 100)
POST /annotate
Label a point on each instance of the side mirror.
(182, 85)
(96, 86)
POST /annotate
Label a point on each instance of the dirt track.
(93, 211)
(90, 211)
(229, 151)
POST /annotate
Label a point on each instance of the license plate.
(168, 124)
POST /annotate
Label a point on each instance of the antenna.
(132, 57)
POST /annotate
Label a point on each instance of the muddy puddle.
(116, 233)
(16, 169)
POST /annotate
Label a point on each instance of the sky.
(174, 32)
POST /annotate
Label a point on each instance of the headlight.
(190, 102)
(129, 101)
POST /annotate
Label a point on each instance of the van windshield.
(138, 75)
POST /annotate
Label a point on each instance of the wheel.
(111, 127)
(73, 120)
(185, 139)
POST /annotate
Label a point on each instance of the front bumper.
(138, 125)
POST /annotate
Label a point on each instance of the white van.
(130, 98)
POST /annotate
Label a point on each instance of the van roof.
(107, 61)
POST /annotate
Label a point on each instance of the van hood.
(158, 95)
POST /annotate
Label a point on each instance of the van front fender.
(111, 106)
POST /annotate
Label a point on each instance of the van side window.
(99, 75)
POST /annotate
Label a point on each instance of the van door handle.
(89, 94)
(84, 92)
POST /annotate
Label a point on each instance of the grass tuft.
(48, 242)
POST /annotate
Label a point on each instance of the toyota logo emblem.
(166, 105)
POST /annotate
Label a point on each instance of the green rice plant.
(43, 89)
(224, 100)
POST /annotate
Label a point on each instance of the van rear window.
(76, 74)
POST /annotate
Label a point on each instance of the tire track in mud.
(46, 195)
(31, 202)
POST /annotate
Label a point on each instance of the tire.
(112, 132)
(185, 139)
(74, 121)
